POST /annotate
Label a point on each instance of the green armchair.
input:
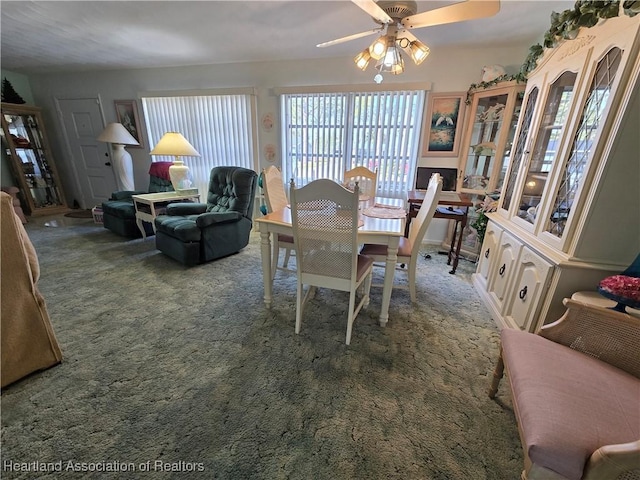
(119, 214)
(194, 233)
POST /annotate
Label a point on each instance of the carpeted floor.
(79, 214)
(184, 369)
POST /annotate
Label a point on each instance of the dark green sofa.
(194, 233)
(119, 214)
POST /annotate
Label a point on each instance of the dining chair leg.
(367, 288)
(287, 255)
(274, 255)
(350, 318)
(299, 306)
(412, 279)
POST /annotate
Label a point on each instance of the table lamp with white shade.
(173, 143)
(118, 136)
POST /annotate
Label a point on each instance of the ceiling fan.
(396, 18)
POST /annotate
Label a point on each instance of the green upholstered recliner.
(193, 233)
(119, 214)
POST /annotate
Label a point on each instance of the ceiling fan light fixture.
(419, 51)
(362, 59)
(392, 62)
(378, 48)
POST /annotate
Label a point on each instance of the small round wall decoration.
(267, 122)
(270, 152)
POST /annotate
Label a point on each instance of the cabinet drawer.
(532, 273)
(488, 253)
(501, 273)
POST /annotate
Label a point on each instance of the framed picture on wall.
(443, 125)
(127, 115)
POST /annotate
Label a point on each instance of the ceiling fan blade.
(468, 10)
(349, 38)
(407, 34)
(374, 10)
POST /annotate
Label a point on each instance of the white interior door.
(83, 121)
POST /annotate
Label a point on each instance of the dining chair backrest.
(273, 187)
(367, 181)
(325, 228)
(425, 214)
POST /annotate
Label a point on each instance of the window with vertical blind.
(325, 134)
(218, 126)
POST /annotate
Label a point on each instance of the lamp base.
(122, 167)
(179, 174)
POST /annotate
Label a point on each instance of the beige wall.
(447, 69)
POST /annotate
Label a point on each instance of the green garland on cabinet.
(564, 26)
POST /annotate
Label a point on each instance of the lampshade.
(363, 59)
(116, 133)
(419, 51)
(378, 48)
(392, 61)
(173, 143)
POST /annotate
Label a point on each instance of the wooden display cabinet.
(569, 208)
(25, 143)
(486, 147)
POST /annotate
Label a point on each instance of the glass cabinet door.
(546, 145)
(491, 127)
(575, 166)
(513, 124)
(481, 155)
(24, 143)
(519, 150)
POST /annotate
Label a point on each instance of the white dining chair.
(367, 181)
(276, 199)
(325, 231)
(409, 248)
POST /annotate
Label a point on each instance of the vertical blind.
(326, 134)
(218, 126)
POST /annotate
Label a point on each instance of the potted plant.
(489, 204)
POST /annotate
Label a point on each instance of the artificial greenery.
(519, 77)
(9, 94)
(480, 226)
(565, 26)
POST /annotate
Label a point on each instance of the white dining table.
(382, 231)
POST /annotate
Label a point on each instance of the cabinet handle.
(502, 269)
(486, 254)
(523, 293)
(108, 164)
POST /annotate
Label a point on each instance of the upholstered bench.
(576, 394)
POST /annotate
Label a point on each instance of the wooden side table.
(459, 215)
(150, 205)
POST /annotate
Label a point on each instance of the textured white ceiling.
(87, 35)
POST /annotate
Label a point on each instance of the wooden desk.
(381, 231)
(453, 200)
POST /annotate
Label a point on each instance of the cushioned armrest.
(210, 218)
(186, 208)
(126, 194)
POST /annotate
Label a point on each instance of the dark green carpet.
(164, 363)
